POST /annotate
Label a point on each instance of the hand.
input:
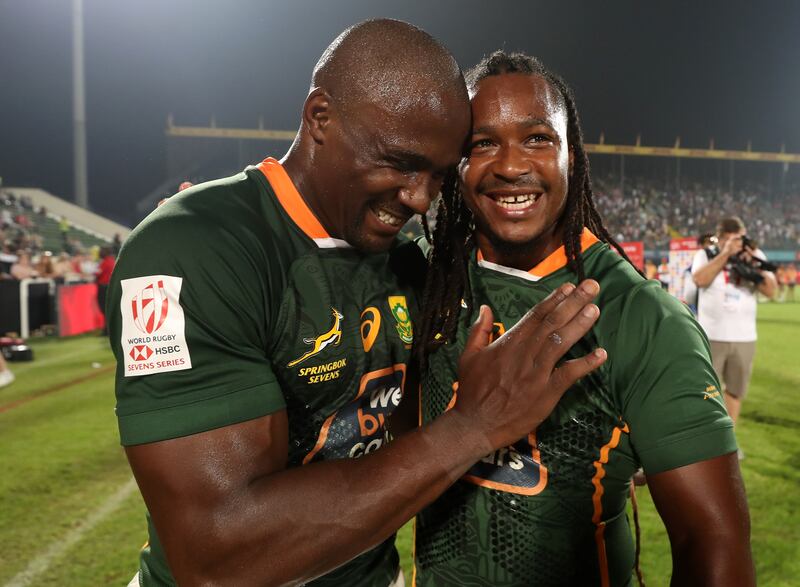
(507, 388)
(732, 246)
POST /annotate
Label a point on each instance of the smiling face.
(516, 171)
(381, 167)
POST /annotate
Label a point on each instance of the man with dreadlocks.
(550, 509)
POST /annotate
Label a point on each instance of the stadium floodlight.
(79, 108)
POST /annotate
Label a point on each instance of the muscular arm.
(704, 509)
(228, 512)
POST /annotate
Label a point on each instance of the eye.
(401, 165)
(404, 165)
(540, 139)
(479, 145)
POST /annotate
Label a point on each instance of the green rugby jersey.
(231, 302)
(550, 510)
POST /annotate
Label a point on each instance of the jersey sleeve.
(188, 322)
(672, 402)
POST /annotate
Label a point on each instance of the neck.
(522, 256)
(298, 162)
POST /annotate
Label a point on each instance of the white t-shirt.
(726, 311)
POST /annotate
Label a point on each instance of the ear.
(317, 112)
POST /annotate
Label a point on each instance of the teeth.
(388, 218)
(516, 202)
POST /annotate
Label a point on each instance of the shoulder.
(700, 258)
(649, 304)
(617, 277)
(642, 320)
(220, 225)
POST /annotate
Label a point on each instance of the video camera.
(749, 268)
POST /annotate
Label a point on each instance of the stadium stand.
(650, 212)
(49, 254)
(86, 223)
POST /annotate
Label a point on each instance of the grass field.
(70, 515)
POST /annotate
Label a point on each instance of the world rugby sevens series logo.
(150, 307)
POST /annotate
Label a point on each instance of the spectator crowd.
(647, 211)
(651, 213)
(24, 252)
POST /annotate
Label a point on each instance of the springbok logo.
(150, 307)
(332, 337)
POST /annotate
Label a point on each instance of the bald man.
(262, 326)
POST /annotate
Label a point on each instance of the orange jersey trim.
(291, 200)
(597, 481)
(366, 378)
(453, 399)
(558, 258)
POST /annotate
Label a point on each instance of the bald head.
(383, 125)
(389, 63)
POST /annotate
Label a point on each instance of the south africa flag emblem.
(399, 309)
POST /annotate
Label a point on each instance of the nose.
(418, 193)
(511, 163)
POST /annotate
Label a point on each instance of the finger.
(480, 333)
(558, 316)
(552, 301)
(570, 371)
(556, 344)
(542, 310)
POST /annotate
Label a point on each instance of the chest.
(345, 337)
(563, 452)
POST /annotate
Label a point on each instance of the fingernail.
(600, 353)
(567, 289)
(590, 311)
(588, 287)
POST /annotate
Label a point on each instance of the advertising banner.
(635, 252)
(679, 280)
(77, 309)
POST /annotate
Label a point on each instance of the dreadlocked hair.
(447, 279)
(451, 239)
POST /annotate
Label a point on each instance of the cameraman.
(728, 275)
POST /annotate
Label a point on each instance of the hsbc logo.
(140, 352)
(149, 307)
